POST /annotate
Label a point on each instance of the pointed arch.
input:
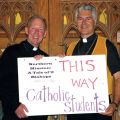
(20, 29)
(71, 27)
(70, 34)
(102, 31)
(5, 9)
(6, 30)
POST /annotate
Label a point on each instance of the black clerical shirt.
(9, 78)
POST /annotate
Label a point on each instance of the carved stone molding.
(13, 17)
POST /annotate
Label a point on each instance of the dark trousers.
(94, 116)
(29, 118)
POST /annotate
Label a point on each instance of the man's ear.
(26, 30)
(45, 34)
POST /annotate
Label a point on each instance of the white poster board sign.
(56, 85)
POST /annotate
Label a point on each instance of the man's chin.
(37, 43)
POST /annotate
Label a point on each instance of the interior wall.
(58, 34)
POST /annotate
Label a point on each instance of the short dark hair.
(37, 17)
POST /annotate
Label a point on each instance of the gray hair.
(30, 20)
(87, 7)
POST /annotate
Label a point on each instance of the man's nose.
(84, 21)
(36, 31)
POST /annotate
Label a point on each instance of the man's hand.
(110, 110)
(20, 111)
(38, 57)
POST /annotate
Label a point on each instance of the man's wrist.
(114, 105)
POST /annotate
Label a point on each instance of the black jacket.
(9, 77)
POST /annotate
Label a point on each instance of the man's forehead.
(85, 13)
(37, 24)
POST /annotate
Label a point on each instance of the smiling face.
(36, 32)
(86, 23)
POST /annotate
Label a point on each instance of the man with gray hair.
(90, 44)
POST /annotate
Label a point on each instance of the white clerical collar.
(84, 40)
(35, 49)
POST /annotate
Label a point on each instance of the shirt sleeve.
(113, 58)
(8, 81)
